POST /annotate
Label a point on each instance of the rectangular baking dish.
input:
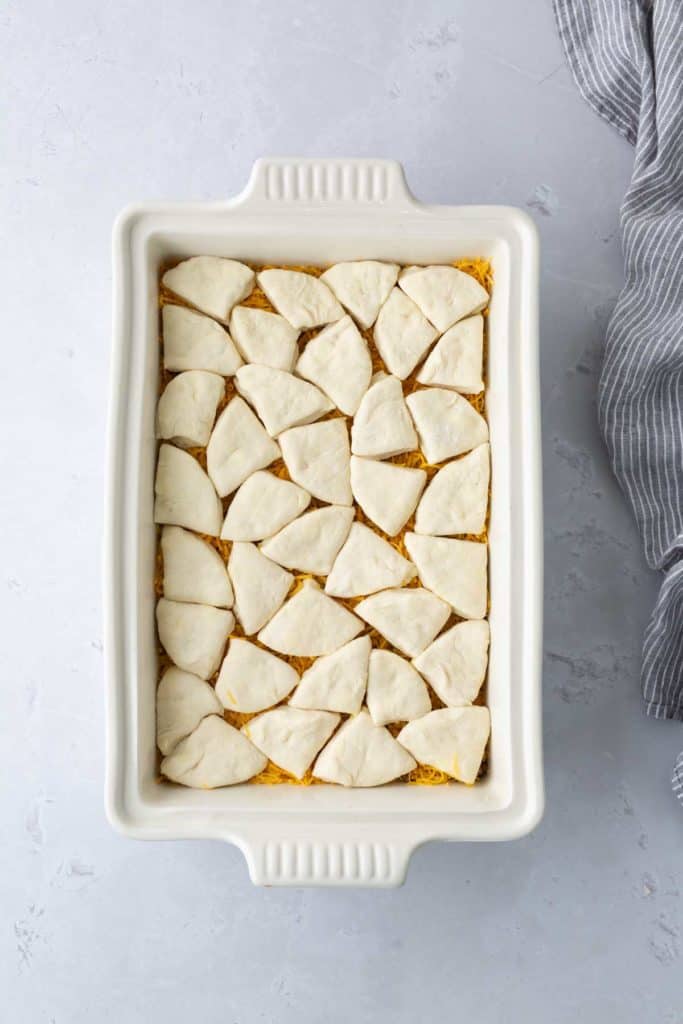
(318, 212)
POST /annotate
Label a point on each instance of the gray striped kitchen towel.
(627, 59)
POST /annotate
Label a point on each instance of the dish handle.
(344, 860)
(319, 183)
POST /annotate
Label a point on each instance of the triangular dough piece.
(454, 570)
(456, 361)
(193, 635)
(262, 505)
(450, 739)
(444, 294)
(382, 427)
(362, 754)
(317, 457)
(362, 287)
(193, 571)
(312, 542)
(408, 617)
(337, 681)
(187, 408)
(184, 494)
(281, 399)
(457, 497)
(387, 494)
(338, 360)
(402, 334)
(239, 445)
(396, 692)
(183, 700)
(195, 342)
(291, 738)
(252, 679)
(215, 754)
(212, 284)
(446, 422)
(302, 299)
(260, 585)
(310, 624)
(367, 563)
(455, 664)
(264, 337)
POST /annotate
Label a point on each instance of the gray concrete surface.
(107, 103)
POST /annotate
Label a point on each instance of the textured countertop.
(108, 103)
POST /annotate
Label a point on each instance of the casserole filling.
(322, 493)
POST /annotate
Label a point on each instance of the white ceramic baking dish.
(320, 211)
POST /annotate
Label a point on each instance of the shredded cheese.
(272, 775)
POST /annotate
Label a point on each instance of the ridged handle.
(326, 862)
(324, 182)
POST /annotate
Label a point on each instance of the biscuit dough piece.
(382, 427)
(193, 635)
(454, 570)
(291, 738)
(262, 505)
(196, 342)
(215, 754)
(184, 493)
(260, 585)
(210, 283)
(444, 294)
(396, 691)
(252, 679)
(362, 287)
(305, 301)
(336, 682)
(187, 408)
(367, 563)
(450, 739)
(362, 754)
(193, 571)
(310, 624)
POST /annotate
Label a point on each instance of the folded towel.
(627, 60)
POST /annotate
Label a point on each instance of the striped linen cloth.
(627, 60)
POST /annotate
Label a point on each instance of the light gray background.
(109, 103)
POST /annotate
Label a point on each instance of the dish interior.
(424, 237)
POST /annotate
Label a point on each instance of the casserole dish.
(318, 212)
